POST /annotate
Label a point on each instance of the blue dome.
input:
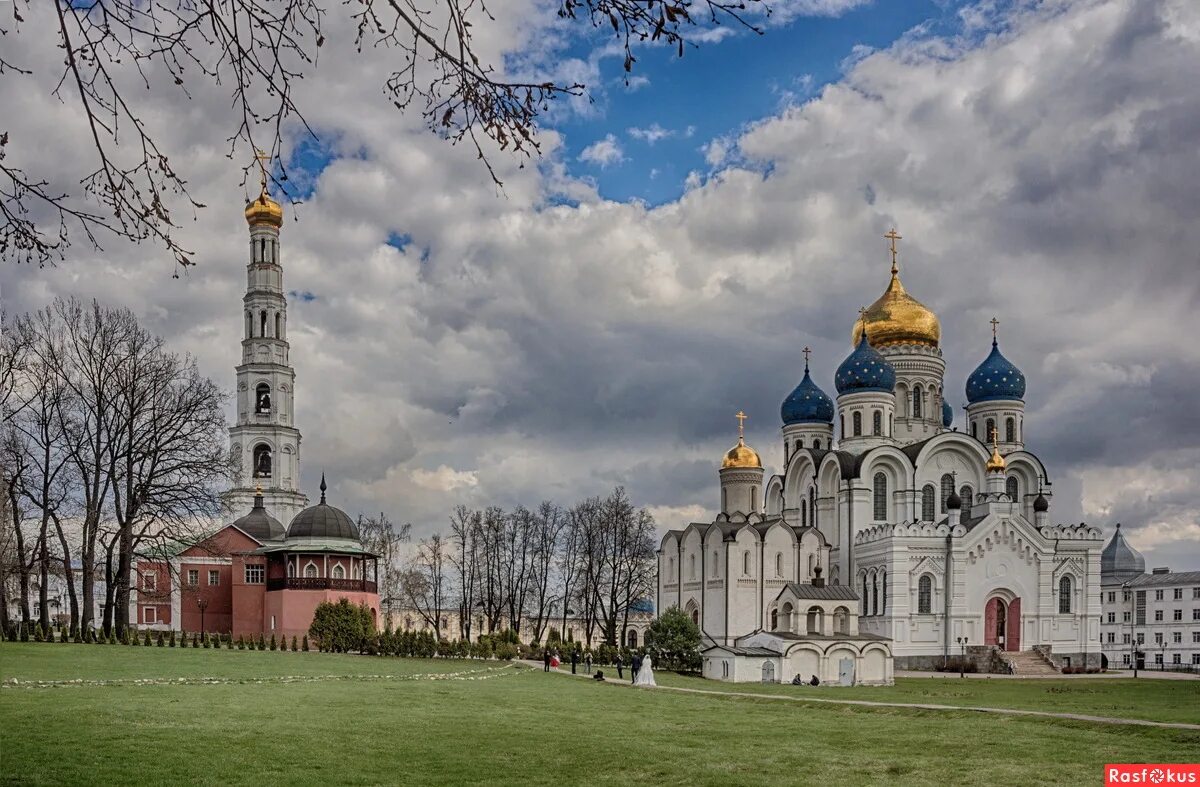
(865, 370)
(947, 414)
(995, 378)
(807, 404)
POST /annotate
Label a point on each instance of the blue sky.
(718, 88)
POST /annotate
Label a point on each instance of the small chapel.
(888, 537)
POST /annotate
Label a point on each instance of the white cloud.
(603, 152)
(652, 134)
(444, 478)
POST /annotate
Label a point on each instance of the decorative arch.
(877, 423)
(856, 418)
(928, 509)
(879, 496)
(1012, 489)
(262, 398)
(925, 594)
(264, 461)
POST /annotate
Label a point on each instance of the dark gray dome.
(1041, 504)
(323, 521)
(1120, 561)
(259, 524)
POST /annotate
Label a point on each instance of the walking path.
(918, 706)
(1119, 674)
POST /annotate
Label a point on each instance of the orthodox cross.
(263, 158)
(807, 352)
(893, 236)
(741, 417)
(994, 323)
(995, 435)
(862, 317)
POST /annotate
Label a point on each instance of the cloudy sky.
(599, 321)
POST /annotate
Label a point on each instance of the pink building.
(251, 577)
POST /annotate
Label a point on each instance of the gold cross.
(995, 434)
(263, 158)
(994, 323)
(893, 236)
(741, 423)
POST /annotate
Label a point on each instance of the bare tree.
(549, 523)
(379, 536)
(258, 51)
(425, 582)
(465, 527)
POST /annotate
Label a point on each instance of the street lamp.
(1162, 655)
(202, 603)
(962, 656)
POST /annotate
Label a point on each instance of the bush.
(146, 641)
(229, 642)
(674, 641)
(171, 641)
(274, 646)
(304, 643)
(195, 640)
(294, 648)
(241, 642)
(161, 640)
(205, 642)
(342, 627)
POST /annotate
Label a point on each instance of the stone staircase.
(1031, 663)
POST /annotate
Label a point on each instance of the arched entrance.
(1002, 623)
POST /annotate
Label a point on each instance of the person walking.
(546, 659)
(587, 662)
(574, 660)
(635, 664)
(620, 667)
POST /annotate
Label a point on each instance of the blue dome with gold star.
(807, 404)
(947, 414)
(865, 370)
(995, 378)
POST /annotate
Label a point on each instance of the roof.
(1119, 561)
(835, 637)
(1177, 578)
(825, 593)
(310, 545)
(744, 651)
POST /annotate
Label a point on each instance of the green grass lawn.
(1152, 700)
(524, 727)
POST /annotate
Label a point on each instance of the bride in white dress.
(645, 676)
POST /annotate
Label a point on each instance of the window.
(262, 461)
(991, 429)
(779, 564)
(278, 326)
(817, 447)
(1064, 595)
(193, 577)
(338, 571)
(753, 499)
(1112, 638)
(691, 566)
(880, 497)
(874, 594)
(774, 620)
(1125, 659)
(1196, 636)
(925, 594)
(715, 565)
(1124, 639)
(799, 444)
(255, 574)
(968, 496)
(1195, 592)
(927, 511)
(1010, 430)
(150, 581)
(1177, 637)
(214, 577)
(291, 569)
(262, 324)
(746, 563)
(973, 430)
(249, 325)
(804, 513)
(724, 500)
(1112, 617)
(1178, 614)
(1178, 594)
(262, 398)
(947, 489)
(310, 571)
(1158, 659)
(857, 419)
(1176, 658)
(1158, 616)
(1011, 489)
(1112, 597)
(1196, 614)
(1158, 638)
(1125, 596)
(916, 402)
(150, 615)
(883, 604)
(877, 423)
(812, 506)
(1196, 658)
(1158, 595)
(1125, 616)
(864, 595)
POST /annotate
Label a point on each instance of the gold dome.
(996, 463)
(897, 317)
(264, 210)
(741, 455)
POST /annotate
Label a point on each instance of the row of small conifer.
(162, 639)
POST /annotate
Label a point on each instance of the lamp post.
(202, 604)
(1132, 639)
(962, 656)
(1162, 655)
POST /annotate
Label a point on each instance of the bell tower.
(264, 437)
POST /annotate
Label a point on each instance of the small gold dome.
(264, 210)
(898, 318)
(741, 455)
(996, 463)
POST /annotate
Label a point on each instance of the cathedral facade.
(936, 541)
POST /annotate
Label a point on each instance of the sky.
(600, 319)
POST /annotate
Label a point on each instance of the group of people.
(641, 668)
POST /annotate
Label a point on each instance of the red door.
(993, 622)
(1013, 640)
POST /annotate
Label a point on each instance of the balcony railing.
(321, 583)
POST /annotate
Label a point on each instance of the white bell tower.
(264, 438)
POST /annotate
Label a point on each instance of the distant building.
(1159, 612)
(575, 630)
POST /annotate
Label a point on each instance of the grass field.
(517, 725)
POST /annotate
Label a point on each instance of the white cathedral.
(901, 543)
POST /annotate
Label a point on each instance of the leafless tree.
(119, 54)
(425, 582)
(379, 536)
(549, 523)
(465, 527)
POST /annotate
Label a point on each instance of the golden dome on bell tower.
(897, 317)
(741, 455)
(262, 209)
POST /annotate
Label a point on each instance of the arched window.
(310, 571)
(925, 594)
(724, 499)
(803, 513)
(1012, 489)
(262, 461)
(716, 572)
(916, 402)
(262, 398)
(632, 638)
(291, 569)
(262, 323)
(753, 499)
(249, 325)
(857, 418)
(338, 571)
(692, 567)
(1064, 595)
(746, 563)
(968, 496)
(778, 564)
(1010, 430)
(877, 423)
(864, 595)
(883, 604)
(671, 567)
(262, 249)
(974, 431)
(874, 594)
(880, 497)
(842, 423)
(278, 326)
(817, 445)
(812, 506)
(774, 620)
(991, 430)
(799, 443)
(927, 509)
(947, 489)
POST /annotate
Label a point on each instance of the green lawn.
(1152, 700)
(524, 727)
